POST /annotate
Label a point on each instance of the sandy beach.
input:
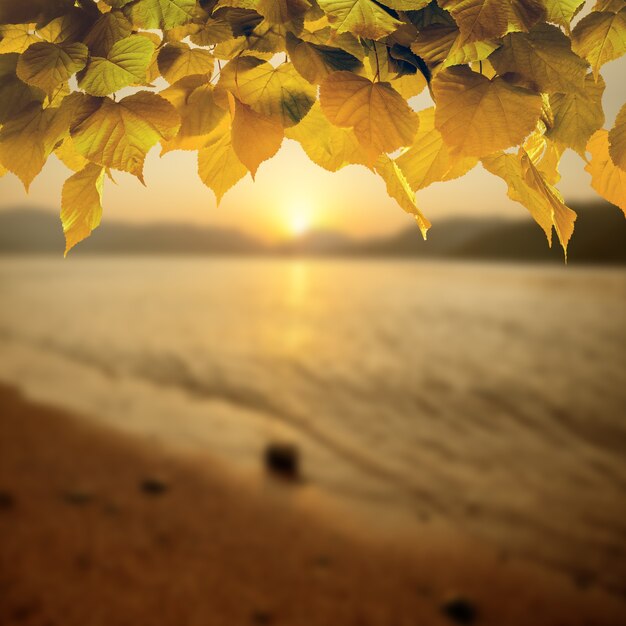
(97, 529)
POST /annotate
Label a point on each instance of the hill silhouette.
(600, 237)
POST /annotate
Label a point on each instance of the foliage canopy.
(513, 86)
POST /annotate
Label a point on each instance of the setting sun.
(299, 224)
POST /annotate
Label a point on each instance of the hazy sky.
(290, 188)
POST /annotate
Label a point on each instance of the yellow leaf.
(66, 28)
(150, 14)
(315, 61)
(106, 32)
(255, 137)
(325, 144)
(477, 116)
(562, 12)
(544, 154)
(600, 37)
(283, 11)
(81, 204)
(15, 95)
(428, 160)
(617, 140)
(399, 189)
(29, 11)
(381, 118)
(434, 42)
(126, 64)
(27, 141)
(212, 32)
(522, 15)
(177, 60)
(219, 167)
(199, 113)
(363, 18)
(527, 186)
(16, 37)
(120, 134)
(69, 156)
(279, 92)
(614, 6)
(480, 20)
(577, 115)
(48, 65)
(606, 178)
(544, 56)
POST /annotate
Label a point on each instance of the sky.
(291, 193)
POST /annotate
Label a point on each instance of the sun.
(299, 224)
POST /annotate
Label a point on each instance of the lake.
(493, 396)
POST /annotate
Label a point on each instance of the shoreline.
(96, 528)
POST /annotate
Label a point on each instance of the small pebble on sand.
(283, 459)
(78, 497)
(459, 610)
(154, 486)
(7, 500)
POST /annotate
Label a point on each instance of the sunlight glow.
(299, 224)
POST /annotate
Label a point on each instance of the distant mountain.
(600, 237)
(35, 231)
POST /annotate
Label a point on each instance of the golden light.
(299, 224)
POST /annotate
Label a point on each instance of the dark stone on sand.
(283, 459)
(78, 497)
(7, 501)
(83, 562)
(459, 610)
(583, 579)
(262, 618)
(154, 486)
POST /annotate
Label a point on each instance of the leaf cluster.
(513, 85)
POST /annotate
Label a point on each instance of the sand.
(98, 530)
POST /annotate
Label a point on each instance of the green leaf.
(126, 64)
